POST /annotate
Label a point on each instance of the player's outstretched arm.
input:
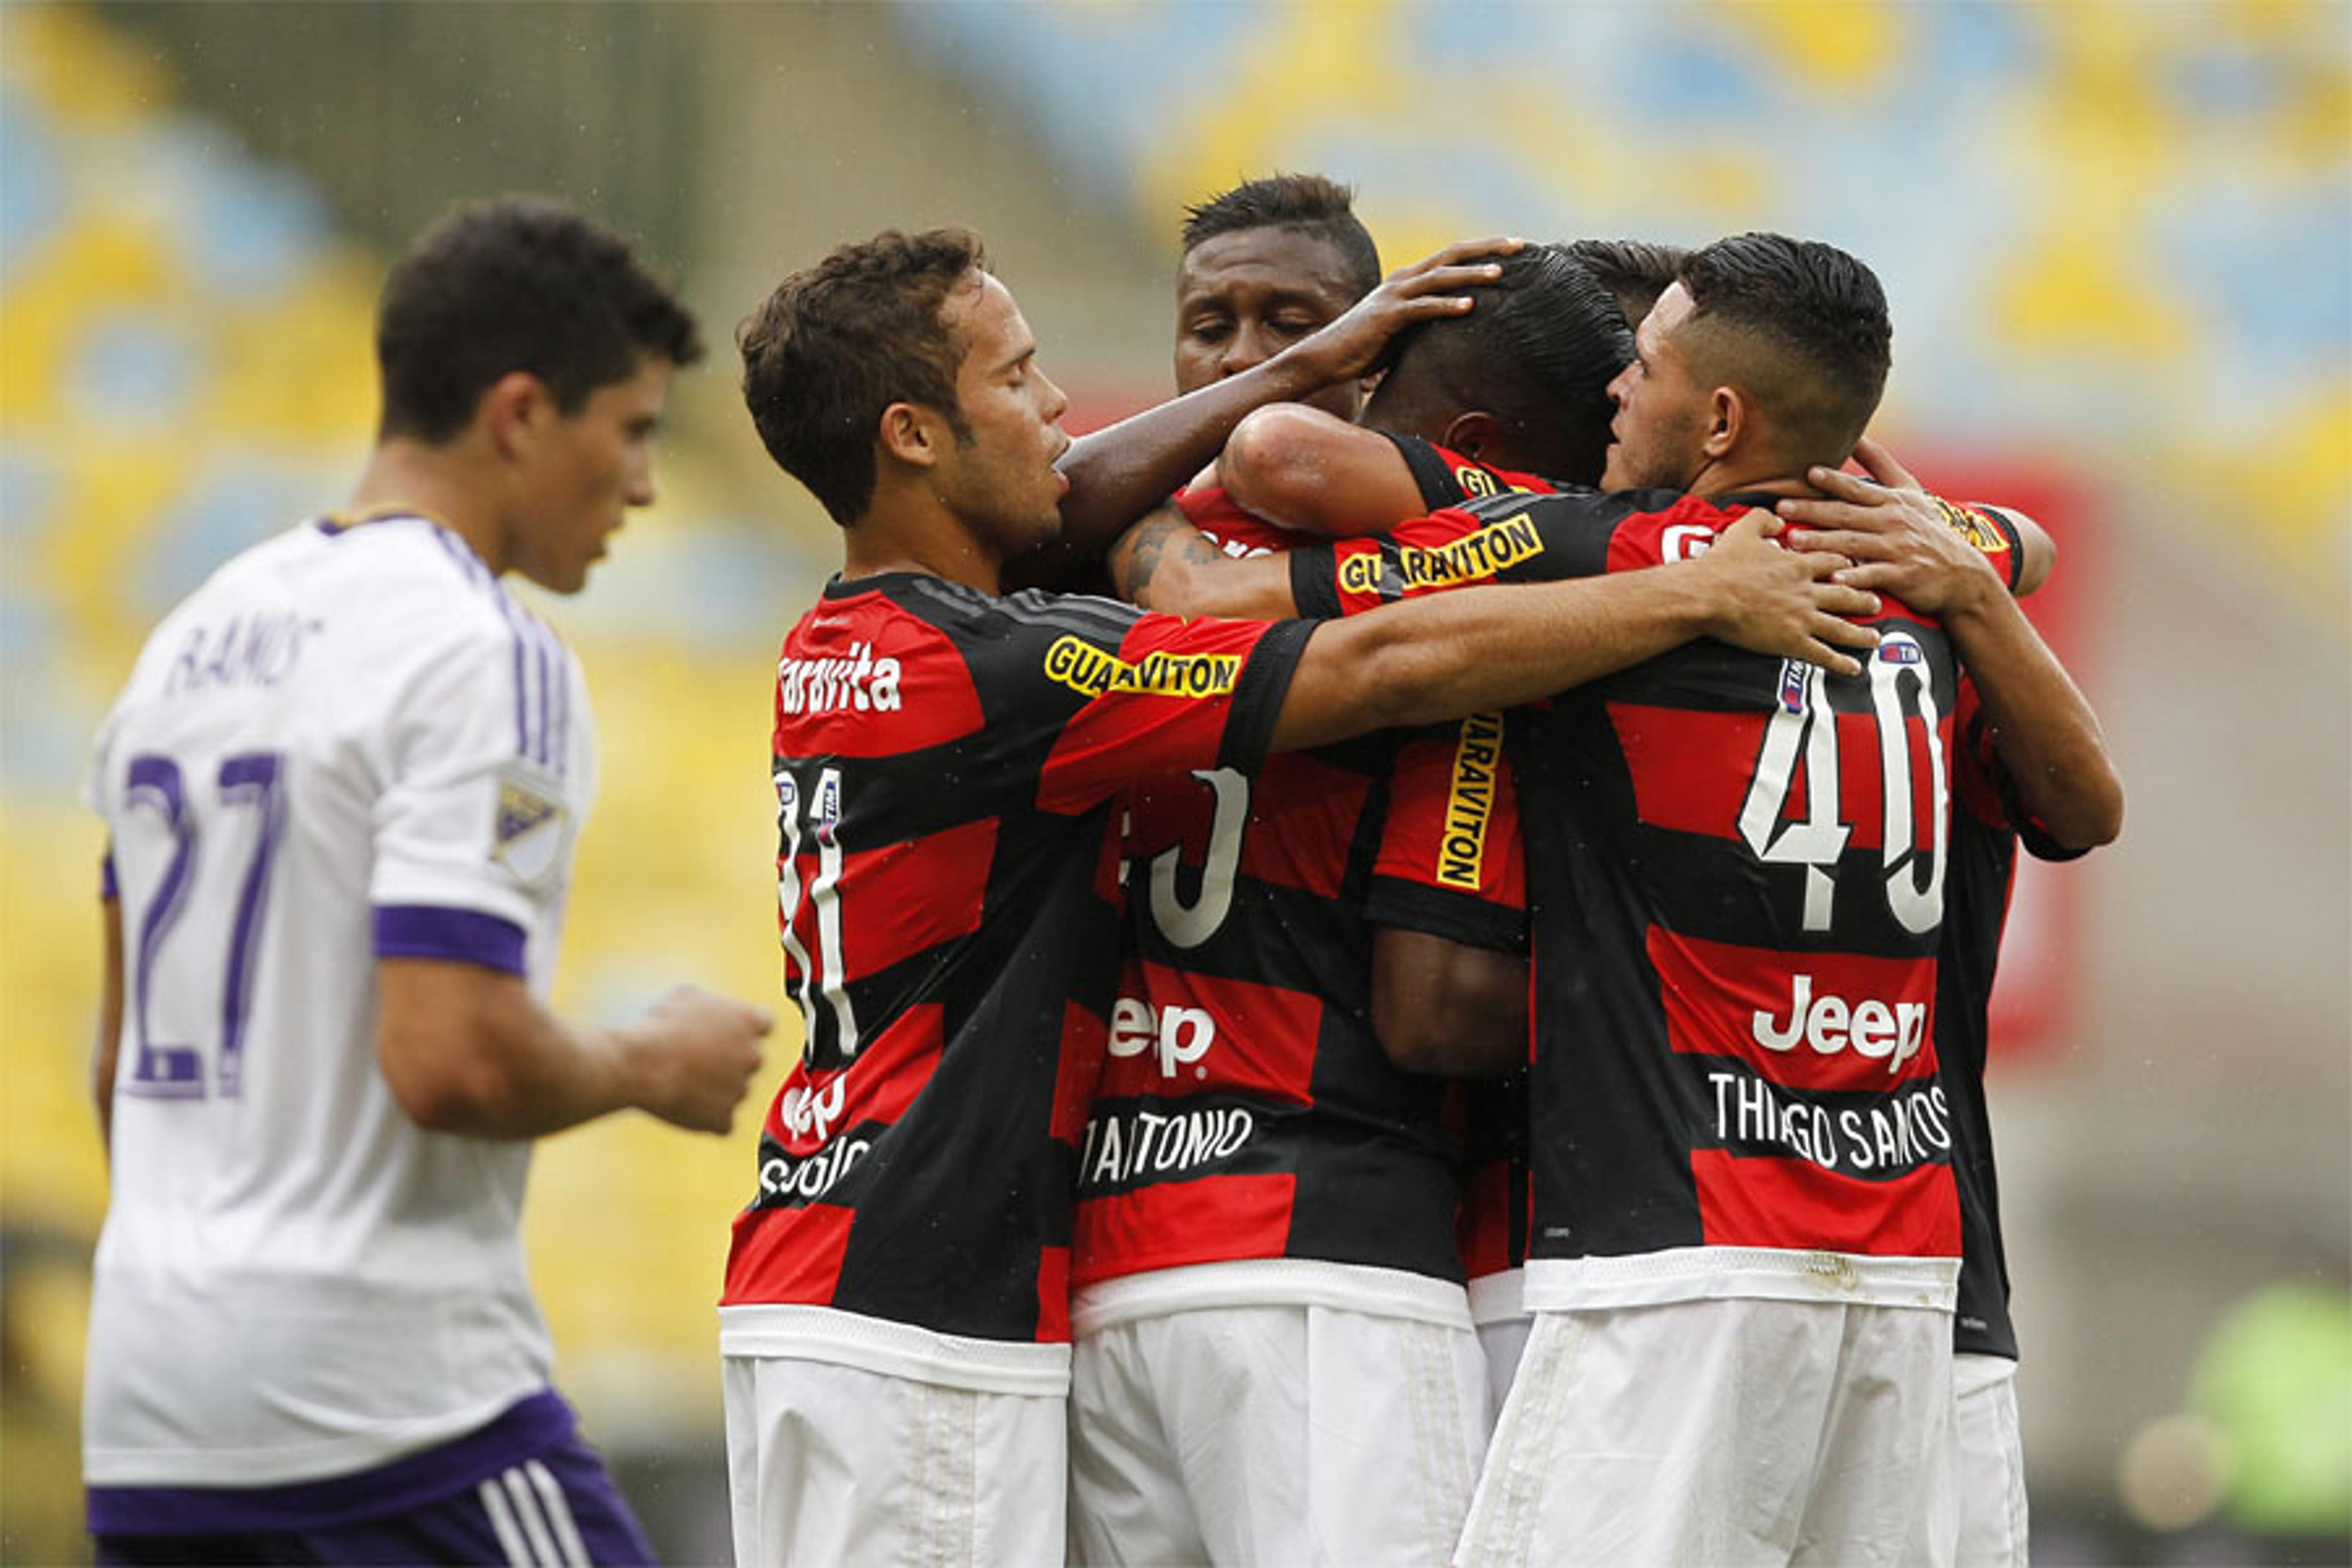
(2048, 737)
(1313, 472)
(1446, 1007)
(1438, 658)
(470, 1050)
(109, 1024)
(1118, 473)
(1165, 563)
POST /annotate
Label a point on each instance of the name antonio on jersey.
(1128, 1144)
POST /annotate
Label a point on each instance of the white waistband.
(895, 1350)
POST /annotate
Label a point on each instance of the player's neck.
(890, 541)
(409, 478)
(1748, 479)
(908, 529)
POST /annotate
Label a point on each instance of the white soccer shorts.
(1503, 1343)
(833, 1464)
(1992, 1462)
(1724, 1432)
(1273, 1435)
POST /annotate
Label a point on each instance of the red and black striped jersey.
(1987, 826)
(945, 765)
(1248, 1109)
(1211, 508)
(1736, 870)
(1445, 477)
(1491, 1230)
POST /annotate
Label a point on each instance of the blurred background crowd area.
(2118, 241)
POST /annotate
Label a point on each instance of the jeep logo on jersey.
(855, 679)
(1083, 667)
(1182, 1035)
(1830, 1023)
(1465, 560)
(809, 1112)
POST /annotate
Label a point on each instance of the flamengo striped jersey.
(1987, 826)
(1737, 867)
(1491, 1230)
(1247, 1110)
(347, 744)
(945, 765)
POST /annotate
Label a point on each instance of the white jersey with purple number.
(350, 742)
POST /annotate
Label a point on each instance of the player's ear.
(1470, 433)
(1728, 417)
(911, 434)
(512, 410)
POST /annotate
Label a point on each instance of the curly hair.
(838, 343)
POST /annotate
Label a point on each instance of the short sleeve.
(1449, 861)
(1505, 538)
(1448, 479)
(1991, 531)
(1111, 694)
(1984, 789)
(483, 798)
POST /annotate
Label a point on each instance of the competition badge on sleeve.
(528, 837)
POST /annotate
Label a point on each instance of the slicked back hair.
(1538, 350)
(1322, 208)
(1636, 271)
(838, 343)
(1801, 327)
(515, 283)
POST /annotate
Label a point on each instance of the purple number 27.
(163, 1070)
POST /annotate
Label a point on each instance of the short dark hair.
(515, 283)
(1320, 206)
(838, 343)
(1635, 271)
(1808, 336)
(1538, 350)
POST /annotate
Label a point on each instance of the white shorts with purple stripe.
(525, 1491)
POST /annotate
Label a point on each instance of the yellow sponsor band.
(1470, 804)
(1973, 526)
(1469, 558)
(1083, 667)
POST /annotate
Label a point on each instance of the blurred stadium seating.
(2134, 229)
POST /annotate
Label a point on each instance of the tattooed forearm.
(1163, 537)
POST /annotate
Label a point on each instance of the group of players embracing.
(1444, 1021)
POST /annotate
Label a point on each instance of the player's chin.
(568, 576)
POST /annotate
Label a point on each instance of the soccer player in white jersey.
(341, 791)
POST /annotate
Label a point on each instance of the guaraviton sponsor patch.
(1083, 667)
(1469, 558)
(1470, 802)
